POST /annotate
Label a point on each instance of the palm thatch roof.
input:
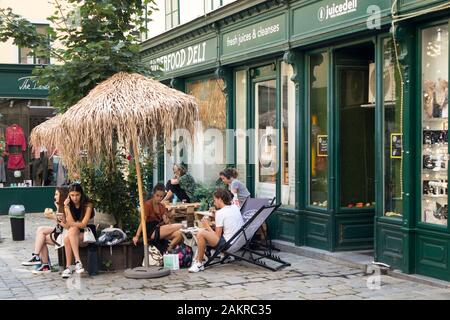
(125, 108)
(46, 134)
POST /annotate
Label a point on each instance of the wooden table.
(182, 211)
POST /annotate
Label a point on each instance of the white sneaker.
(66, 273)
(79, 267)
(197, 266)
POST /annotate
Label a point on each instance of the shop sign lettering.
(240, 38)
(185, 57)
(336, 10)
(253, 36)
(29, 83)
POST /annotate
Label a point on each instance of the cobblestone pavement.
(305, 279)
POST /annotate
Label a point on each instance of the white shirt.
(230, 218)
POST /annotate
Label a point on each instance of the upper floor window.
(213, 4)
(172, 13)
(26, 55)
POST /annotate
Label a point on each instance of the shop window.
(266, 138)
(172, 13)
(213, 4)
(20, 166)
(318, 148)
(393, 130)
(26, 55)
(209, 156)
(241, 124)
(287, 136)
(434, 177)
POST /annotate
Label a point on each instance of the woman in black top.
(79, 211)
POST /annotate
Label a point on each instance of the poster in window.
(396, 145)
(322, 145)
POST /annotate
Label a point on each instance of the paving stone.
(307, 278)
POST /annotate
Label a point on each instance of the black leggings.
(178, 191)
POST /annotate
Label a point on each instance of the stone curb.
(355, 260)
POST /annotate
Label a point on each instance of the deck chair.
(239, 244)
(252, 205)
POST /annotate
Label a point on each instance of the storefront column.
(405, 36)
(226, 74)
(296, 60)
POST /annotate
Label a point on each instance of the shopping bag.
(154, 257)
(88, 235)
(171, 261)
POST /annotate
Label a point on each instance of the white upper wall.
(36, 11)
(189, 10)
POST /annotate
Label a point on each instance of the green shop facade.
(23, 103)
(348, 102)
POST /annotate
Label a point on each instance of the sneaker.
(196, 267)
(35, 260)
(79, 267)
(44, 268)
(66, 273)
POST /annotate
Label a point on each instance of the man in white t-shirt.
(228, 222)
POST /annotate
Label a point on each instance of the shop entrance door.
(355, 147)
(266, 138)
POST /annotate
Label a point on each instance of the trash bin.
(17, 217)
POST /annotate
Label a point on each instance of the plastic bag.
(111, 236)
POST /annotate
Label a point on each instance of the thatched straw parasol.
(46, 134)
(129, 109)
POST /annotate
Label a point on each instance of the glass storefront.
(288, 125)
(208, 154)
(318, 149)
(266, 138)
(393, 130)
(19, 165)
(241, 124)
(434, 157)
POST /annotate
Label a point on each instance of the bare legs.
(205, 237)
(72, 242)
(171, 232)
(41, 241)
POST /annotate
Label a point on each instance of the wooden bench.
(109, 258)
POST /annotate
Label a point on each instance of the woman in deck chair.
(228, 222)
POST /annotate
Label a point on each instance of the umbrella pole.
(145, 272)
(141, 201)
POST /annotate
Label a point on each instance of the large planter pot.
(110, 258)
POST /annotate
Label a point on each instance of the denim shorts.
(220, 244)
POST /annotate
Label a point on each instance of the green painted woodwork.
(253, 37)
(403, 242)
(319, 17)
(35, 199)
(391, 243)
(16, 81)
(432, 255)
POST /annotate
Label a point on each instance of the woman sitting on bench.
(79, 215)
(157, 222)
(48, 235)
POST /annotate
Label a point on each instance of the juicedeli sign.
(335, 10)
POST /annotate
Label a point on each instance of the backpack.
(185, 255)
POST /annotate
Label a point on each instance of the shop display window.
(241, 124)
(393, 132)
(288, 136)
(318, 148)
(209, 156)
(434, 159)
(19, 165)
